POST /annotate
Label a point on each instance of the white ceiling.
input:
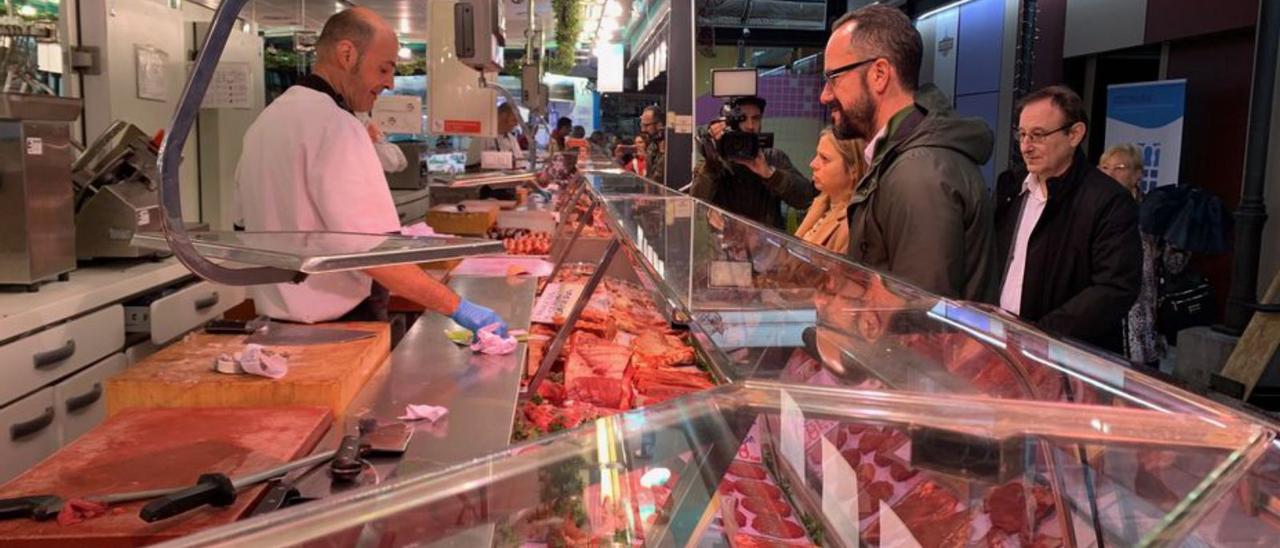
(408, 17)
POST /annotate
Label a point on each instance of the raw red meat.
(745, 540)
(648, 377)
(657, 393)
(900, 472)
(933, 517)
(775, 526)
(1007, 505)
(756, 488)
(852, 456)
(747, 470)
(601, 392)
(866, 473)
(871, 440)
(546, 416)
(604, 358)
(869, 499)
(551, 392)
(763, 506)
(656, 349)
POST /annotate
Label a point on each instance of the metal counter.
(426, 368)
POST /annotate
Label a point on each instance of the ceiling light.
(404, 26)
(405, 53)
(613, 9)
(27, 11)
(337, 6)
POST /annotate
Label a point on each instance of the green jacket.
(921, 213)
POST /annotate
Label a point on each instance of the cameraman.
(755, 188)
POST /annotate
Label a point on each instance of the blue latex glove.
(473, 316)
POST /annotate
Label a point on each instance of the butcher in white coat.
(309, 165)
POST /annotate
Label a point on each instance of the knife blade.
(284, 334)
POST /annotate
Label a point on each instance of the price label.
(556, 301)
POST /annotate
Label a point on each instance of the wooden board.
(182, 375)
(1257, 345)
(158, 448)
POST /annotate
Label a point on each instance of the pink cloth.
(254, 360)
(488, 342)
(419, 230)
(430, 413)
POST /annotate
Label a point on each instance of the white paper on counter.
(894, 533)
(792, 434)
(839, 495)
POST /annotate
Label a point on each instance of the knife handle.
(346, 464)
(214, 489)
(37, 507)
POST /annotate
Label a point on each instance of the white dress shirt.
(1032, 208)
(308, 165)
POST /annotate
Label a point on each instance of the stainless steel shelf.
(321, 252)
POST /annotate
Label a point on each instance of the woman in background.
(639, 157)
(1124, 164)
(837, 167)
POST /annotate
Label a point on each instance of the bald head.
(356, 25)
(356, 54)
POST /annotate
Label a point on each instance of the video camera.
(738, 87)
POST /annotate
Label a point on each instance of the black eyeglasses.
(1036, 136)
(831, 75)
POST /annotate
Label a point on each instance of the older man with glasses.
(1067, 232)
(921, 213)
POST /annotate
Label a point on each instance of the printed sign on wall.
(1149, 115)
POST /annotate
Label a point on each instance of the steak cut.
(601, 392)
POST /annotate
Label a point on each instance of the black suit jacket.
(1084, 257)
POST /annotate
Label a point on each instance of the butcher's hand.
(473, 316)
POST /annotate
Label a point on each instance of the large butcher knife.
(287, 334)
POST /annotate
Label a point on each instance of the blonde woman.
(837, 166)
(1124, 164)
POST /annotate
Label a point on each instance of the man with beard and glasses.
(921, 212)
(309, 165)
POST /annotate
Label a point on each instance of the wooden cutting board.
(157, 448)
(182, 375)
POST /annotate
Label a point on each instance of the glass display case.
(762, 463)
(852, 409)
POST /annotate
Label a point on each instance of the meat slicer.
(116, 193)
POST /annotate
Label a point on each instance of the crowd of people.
(896, 185)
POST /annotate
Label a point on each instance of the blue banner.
(1149, 115)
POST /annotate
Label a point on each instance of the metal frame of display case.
(990, 418)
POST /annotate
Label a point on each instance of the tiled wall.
(788, 95)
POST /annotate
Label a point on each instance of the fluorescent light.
(405, 53)
(613, 9)
(404, 26)
(27, 11)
